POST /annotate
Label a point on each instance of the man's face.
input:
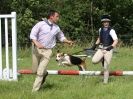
(55, 18)
(105, 24)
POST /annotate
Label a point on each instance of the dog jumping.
(69, 60)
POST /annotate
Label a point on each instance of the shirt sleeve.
(113, 34)
(35, 31)
(99, 31)
(60, 36)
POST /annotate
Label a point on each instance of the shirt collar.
(50, 22)
(47, 21)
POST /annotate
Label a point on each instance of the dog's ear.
(58, 51)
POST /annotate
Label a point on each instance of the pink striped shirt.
(44, 34)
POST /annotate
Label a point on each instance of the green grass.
(72, 87)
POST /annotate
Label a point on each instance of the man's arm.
(115, 40)
(63, 39)
(98, 41)
(115, 43)
(112, 46)
(33, 35)
(114, 37)
(95, 44)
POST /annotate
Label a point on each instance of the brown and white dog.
(69, 60)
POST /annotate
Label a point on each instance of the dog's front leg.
(66, 63)
(60, 63)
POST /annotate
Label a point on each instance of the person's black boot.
(44, 78)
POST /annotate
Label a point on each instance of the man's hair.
(51, 13)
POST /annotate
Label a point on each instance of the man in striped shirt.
(43, 36)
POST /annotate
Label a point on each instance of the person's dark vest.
(105, 37)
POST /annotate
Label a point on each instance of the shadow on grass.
(48, 86)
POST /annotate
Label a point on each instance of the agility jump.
(76, 72)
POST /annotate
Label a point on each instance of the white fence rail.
(9, 71)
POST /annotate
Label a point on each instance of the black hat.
(105, 18)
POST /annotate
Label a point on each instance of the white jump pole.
(7, 47)
(14, 45)
(9, 71)
(89, 73)
(76, 72)
(0, 52)
(83, 56)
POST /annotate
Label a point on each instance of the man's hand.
(40, 46)
(37, 44)
(70, 43)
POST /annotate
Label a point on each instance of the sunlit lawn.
(72, 87)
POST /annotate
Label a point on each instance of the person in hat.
(43, 36)
(106, 42)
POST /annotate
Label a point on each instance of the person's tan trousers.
(40, 60)
(99, 55)
(106, 59)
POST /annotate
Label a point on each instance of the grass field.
(72, 87)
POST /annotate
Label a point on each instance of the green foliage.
(80, 19)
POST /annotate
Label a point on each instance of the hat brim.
(105, 20)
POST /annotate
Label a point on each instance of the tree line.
(79, 20)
